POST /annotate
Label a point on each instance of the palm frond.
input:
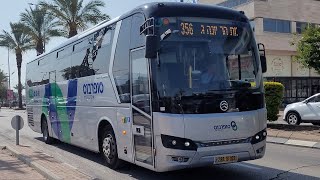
(38, 24)
(6, 40)
(57, 9)
(92, 7)
(74, 14)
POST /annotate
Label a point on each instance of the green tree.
(73, 15)
(2, 77)
(40, 26)
(19, 41)
(308, 48)
(3, 90)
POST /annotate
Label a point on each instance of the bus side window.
(92, 54)
(121, 62)
(63, 64)
(137, 39)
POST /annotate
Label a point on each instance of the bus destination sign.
(208, 29)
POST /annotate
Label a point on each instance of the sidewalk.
(12, 168)
(46, 165)
(39, 162)
(306, 135)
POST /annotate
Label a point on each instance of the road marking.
(247, 166)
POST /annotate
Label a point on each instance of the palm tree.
(17, 87)
(40, 26)
(73, 15)
(19, 41)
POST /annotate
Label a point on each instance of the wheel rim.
(108, 147)
(292, 119)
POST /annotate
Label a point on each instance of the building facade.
(275, 22)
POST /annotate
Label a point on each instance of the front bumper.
(173, 159)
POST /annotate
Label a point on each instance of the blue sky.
(10, 12)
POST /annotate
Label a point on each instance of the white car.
(307, 111)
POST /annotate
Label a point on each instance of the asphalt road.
(280, 162)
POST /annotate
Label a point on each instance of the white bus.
(166, 86)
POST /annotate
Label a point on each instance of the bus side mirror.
(263, 63)
(151, 46)
(263, 59)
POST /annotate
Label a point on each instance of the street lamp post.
(9, 67)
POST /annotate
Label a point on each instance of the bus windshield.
(205, 55)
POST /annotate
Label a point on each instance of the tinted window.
(92, 55)
(275, 25)
(140, 81)
(35, 75)
(63, 64)
(78, 46)
(283, 26)
(63, 52)
(269, 25)
(121, 62)
(137, 40)
(301, 26)
(314, 99)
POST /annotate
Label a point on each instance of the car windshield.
(205, 55)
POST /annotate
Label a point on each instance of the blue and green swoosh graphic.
(61, 110)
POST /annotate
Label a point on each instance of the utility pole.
(9, 68)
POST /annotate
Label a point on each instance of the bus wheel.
(109, 148)
(45, 132)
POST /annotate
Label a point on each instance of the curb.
(42, 170)
(293, 142)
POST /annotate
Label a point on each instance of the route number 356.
(186, 29)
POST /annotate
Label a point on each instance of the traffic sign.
(17, 122)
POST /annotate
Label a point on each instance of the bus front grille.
(221, 143)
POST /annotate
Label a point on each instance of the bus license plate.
(225, 159)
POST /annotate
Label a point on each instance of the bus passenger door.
(142, 126)
(53, 114)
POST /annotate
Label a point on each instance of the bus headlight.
(187, 144)
(172, 142)
(260, 136)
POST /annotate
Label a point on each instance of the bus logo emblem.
(234, 126)
(224, 106)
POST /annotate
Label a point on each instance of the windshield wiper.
(221, 90)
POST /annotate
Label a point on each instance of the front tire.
(108, 146)
(45, 132)
(293, 118)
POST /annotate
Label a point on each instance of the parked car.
(307, 111)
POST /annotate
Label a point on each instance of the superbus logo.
(232, 126)
(93, 88)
